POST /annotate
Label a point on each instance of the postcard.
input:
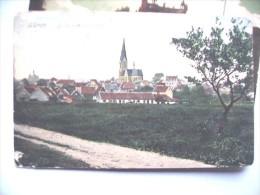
(139, 90)
(158, 6)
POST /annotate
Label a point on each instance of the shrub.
(230, 151)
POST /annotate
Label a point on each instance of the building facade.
(126, 74)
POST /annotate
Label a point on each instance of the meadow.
(181, 130)
(41, 156)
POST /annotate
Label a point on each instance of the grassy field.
(41, 156)
(182, 130)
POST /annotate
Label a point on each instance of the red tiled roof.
(160, 88)
(107, 82)
(58, 90)
(127, 96)
(128, 85)
(80, 84)
(65, 81)
(30, 88)
(53, 79)
(48, 92)
(88, 90)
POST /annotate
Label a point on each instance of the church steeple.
(123, 60)
(123, 52)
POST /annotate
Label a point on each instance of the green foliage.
(194, 96)
(42, 82)
(183, 130)
(223, 60)
(230, 151)
(145, 89)
(157, 77)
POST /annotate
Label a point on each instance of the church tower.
(125, 74)
(123, 61)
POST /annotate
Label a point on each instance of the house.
(163, 90)
(123, 97)
(134, 97)
(53, 80)
(76, 95)
(94, 83)
(43, 94)
(59, 91)
(88, 93)
(63, 82)
(128, 86)
(62, 95)
(23, 93)
(174, 83)
(78, 86)
(111, 87)
(171, 81)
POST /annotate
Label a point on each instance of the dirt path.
(102, 155)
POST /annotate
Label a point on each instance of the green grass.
(41, 156)
(182, 130)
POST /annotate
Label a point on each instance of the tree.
(157, 77)
(146, 88)
(42, 82)
(221, 62)
(25, 81)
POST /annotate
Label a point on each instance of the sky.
(87, 45)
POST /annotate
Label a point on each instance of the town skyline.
(59, 48)
(88, 46)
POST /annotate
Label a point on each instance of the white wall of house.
(39, 95)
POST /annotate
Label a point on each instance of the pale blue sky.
(88, 45)
(57, 47)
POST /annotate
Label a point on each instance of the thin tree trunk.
(222, 122)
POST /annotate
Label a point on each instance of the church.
(126, 74)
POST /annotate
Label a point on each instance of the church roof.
(137, 72)
(134, 72)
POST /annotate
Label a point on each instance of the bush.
(230, 151)
(205, 128)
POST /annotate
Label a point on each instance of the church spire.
(123, 52)
(123, 60)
